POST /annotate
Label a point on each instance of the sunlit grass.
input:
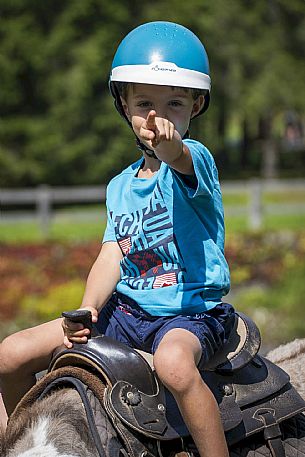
(235, 199)
(292, 196)
(240, 224)
(87, 222)
(284, 197)
(27, 232)
(30, 232)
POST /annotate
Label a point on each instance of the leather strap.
(272, 432)
(81, 390)
(276, 447)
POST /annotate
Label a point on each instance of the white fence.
(44, 198)
(255, 190)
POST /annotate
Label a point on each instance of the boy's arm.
(101, 283)
(103, 277)
(177, 155)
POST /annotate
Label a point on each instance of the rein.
(80, 380)
(80, 387)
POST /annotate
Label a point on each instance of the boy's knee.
(14, 353)
(175, 367)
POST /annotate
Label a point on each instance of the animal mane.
(2, 438)
(66, 417)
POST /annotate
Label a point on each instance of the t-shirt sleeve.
(206, 175)
(109, 234)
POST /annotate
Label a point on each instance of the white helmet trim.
(162, 74)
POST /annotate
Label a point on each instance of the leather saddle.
(253, 394)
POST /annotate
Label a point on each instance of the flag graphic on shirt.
(150, 255)
(125, 245)
(168, 279)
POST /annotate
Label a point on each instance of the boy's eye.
(145, 104)
(175, 103)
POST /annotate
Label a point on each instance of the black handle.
(81, 316)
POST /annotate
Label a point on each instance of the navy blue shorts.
(123, 320)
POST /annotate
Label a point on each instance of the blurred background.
(61, 140)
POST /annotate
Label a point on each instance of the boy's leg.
(24, 354)
(3, 415)
(175, 362)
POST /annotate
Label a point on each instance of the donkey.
(291, 357)
(53, 427)
(82, 407)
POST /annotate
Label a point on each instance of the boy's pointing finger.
(151, 120)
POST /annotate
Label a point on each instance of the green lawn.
(29, 232)
(25, 232)
(234, 198)
(294, 222)
(81, 223)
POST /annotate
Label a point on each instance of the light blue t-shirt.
(170, 229)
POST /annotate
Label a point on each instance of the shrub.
(59, 298)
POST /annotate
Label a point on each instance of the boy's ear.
(198, 104)
(125, 108)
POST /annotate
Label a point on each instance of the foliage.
(32, 271)
(30, 232)
(63, 297)
(277, 310)
(58, 124)
(58, 115)
(41, 280)
(262, 258)
(268, 274)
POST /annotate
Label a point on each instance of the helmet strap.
(145, 149)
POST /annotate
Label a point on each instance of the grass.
(284, 197)
(87, 222)
(293, 222)
(29, 232)
(294, 196)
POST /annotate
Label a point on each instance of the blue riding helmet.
(160, 53)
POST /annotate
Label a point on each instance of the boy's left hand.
(76, 332)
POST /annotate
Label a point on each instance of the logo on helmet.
(157, 67)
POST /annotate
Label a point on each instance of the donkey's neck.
(56, 426)
(35, 442)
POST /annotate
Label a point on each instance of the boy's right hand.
(76, 332)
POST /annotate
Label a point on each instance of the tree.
(58, 124)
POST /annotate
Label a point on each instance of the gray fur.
(67, 432)
(291, 357)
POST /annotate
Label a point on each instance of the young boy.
(158, 281)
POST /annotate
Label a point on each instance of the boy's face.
(172, 103)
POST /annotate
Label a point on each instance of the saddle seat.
(242, 345)
(114, 360)
(250, 390)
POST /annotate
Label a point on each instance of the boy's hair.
(122, 88)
